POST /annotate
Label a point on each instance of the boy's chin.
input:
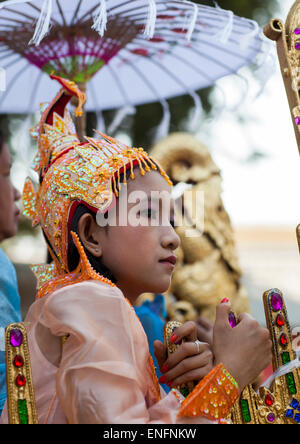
(161, 287)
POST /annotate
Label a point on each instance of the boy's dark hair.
(73, 255)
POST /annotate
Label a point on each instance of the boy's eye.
(149, 212)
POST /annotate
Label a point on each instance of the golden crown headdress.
(70, 173)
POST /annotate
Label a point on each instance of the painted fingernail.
(165, 368)
(174, 338)
(162, 379)
(170, 383)
(224, 301)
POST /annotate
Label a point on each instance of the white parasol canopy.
(133, 52)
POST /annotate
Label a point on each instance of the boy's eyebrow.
(158, 200)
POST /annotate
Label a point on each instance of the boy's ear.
(87, 230)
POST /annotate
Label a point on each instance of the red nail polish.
(174, 338)
(170, 383)
(224, 301)
(162, 379)
(165, 368)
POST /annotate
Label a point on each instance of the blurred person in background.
(9, 295)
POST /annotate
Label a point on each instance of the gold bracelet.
(213, 397)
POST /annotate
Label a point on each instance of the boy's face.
(9, 212)
(140, 253)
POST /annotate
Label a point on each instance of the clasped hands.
(245, 350)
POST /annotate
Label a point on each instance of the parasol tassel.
(224, 35)
(100, 122)
(151, 20)
(2, 79)
(193, 22)
(194, 122)
(121, 114)
(163, 128)
(42, 26)
(247, 38)
(100, 19)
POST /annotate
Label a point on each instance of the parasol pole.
(80, 121)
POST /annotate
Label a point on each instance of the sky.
(263, 192)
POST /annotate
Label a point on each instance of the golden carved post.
(280, 404)
(287, 37)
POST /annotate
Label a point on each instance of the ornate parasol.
(128, 52)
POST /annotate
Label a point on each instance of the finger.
(160, 351)
(204, 323)
(180, 360)
(188, 331)
(191, 376)
(186, 366)
(245, 317)
(222, 312)
(185, 350)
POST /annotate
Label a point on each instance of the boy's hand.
(205, 330)
(245, 350)
(190, 362)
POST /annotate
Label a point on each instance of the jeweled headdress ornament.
(72, 173)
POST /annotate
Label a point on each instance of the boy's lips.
(171, 260)
(17, 215)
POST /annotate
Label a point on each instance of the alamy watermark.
(156, 209)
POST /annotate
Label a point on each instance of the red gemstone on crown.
(20, 381)
(280, 320)
(269, 400)
(18, 361)
(283, 339)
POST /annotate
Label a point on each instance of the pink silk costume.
(105, 375)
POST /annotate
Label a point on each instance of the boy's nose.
(17, 195)
(171, 239)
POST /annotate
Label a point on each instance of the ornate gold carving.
(168, 330)
(287, 37)
(20, 392)
(279, 404)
